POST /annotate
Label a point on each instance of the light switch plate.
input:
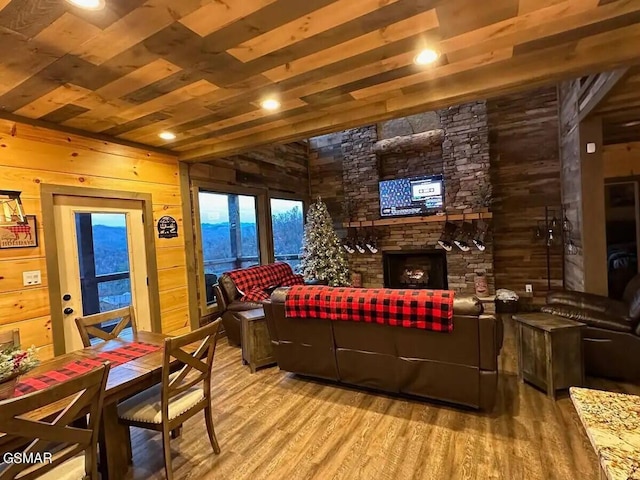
(528, 288)
(31, 278)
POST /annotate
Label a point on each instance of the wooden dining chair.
(181, 395)
(72, 448)
(92, 324)
(10, 339)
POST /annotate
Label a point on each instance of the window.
(288, 229)
(229, 232)
(103, 253)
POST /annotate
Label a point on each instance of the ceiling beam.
(598, 88)
(538, 68)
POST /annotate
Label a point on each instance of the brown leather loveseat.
(459, 367)
(612, 338)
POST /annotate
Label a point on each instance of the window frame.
(265, 247)
(279, 195)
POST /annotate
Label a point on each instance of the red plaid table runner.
(126, 353)
(47, 379)
(253, 281)
(424, 309)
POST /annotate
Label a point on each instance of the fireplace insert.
(416, 269)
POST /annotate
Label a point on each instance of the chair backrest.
(10, 339)
(92, 324)
(197, 365)
(21, 423)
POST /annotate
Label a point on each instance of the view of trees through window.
(288, 229)
(229, 229)
(104, 261)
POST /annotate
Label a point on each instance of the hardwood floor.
(273, 425)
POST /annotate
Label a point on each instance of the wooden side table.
(549, 351)
(256, 342)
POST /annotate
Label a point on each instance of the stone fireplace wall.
(463, 159)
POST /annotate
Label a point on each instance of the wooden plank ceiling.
(620, 110)
(200, 68)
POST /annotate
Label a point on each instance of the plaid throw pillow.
(292, 280)
(256, 295)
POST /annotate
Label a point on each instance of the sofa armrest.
(592, 318)
(220, 298)
(588, 301)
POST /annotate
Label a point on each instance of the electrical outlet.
(31, 278)
(528, 288)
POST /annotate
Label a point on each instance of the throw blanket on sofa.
(424, 309)
(254, 282)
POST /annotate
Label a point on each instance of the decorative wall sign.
(167, 227)
(20, 236)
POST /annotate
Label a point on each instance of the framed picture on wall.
(20, 236)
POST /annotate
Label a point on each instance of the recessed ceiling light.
(167, 136)
(270, 104)
(631, 124)
(426, 57)
(88, 4)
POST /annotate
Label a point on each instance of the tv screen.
(411, 196)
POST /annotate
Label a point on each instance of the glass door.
(102, 260)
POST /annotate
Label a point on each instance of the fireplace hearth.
(417, 269)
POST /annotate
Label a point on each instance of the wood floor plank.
(274, 425)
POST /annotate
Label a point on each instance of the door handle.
(68, 311)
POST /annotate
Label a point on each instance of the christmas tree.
(323, 257)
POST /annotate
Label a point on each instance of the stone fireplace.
(416, 269)
(345, 171)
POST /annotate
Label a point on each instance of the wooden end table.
(256, 343)
(549, 351)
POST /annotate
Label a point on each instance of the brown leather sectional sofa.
(459, 367)
(612, 337)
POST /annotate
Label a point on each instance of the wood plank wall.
(525, 173)
(572, 178)
(622, 160)
(30, 156)
(275, 167)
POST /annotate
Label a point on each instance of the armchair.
(612, 336)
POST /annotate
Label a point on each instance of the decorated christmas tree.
(323, 257)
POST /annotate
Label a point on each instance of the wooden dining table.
(124, 380)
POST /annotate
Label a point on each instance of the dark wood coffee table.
(256, 342)
(549, 351)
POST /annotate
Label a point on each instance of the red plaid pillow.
(292, 280)
(255, 295)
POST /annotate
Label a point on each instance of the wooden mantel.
(406, 143)
(414, 220)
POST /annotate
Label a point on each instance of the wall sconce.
(11, 211)
(447, 236)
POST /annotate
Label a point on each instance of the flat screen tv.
(412, 196)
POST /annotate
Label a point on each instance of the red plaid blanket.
(126, 353)
(424, 309)
(47, 379)
(253, 282)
